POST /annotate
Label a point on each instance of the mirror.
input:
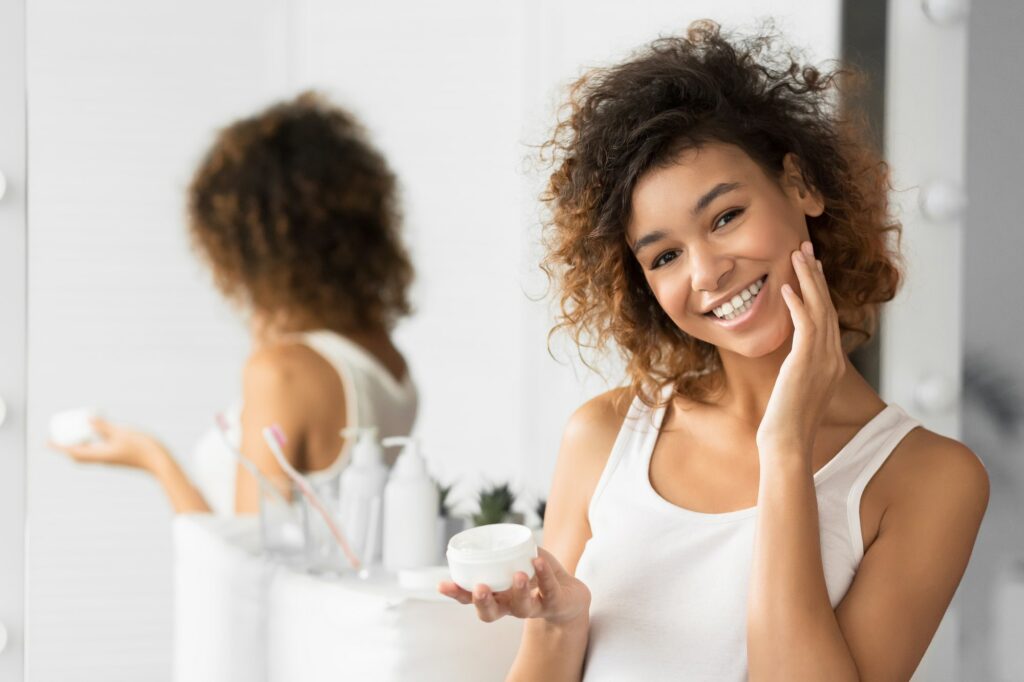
(124, 315)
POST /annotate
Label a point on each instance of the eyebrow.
(698, 208)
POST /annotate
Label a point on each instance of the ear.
(809, 199)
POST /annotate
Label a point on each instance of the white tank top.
(373, 397)
(669, 585)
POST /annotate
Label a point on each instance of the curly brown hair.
(296, 214)
(675, 95)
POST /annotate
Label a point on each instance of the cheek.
(670, 295)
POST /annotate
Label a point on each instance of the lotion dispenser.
(411, 502)
(362, 489)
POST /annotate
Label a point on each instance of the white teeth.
(739, 303)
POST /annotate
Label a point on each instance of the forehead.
(672, 190)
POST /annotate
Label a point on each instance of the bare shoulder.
(937, 492)
(929, 469)
(597, 421)
(586, 445)
(286, 367)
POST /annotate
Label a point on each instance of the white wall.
(124, 96)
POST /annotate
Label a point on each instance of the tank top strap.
(877, 444)
(636, 436)
(364, 379)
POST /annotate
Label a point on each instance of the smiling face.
(709, 226)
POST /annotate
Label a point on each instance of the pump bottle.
(362, 487)
(411, 502)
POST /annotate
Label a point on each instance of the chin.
(758, 345)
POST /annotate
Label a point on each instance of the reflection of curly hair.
(296, 214)
(676, 95)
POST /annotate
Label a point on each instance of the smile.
(741, 302)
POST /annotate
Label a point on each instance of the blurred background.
(106, 107)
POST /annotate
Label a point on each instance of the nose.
(707, 268)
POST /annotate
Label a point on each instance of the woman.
(296, 215)
(748, 506)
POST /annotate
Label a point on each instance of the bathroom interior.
(106, 107)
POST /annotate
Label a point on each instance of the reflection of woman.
(748, 506)
(295, 213)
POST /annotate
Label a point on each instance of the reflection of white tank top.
(372, 398)
(669, 585)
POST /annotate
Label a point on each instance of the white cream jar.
(491, 555)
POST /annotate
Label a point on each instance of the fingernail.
(800, 257)
(808, 248)
(538, 565)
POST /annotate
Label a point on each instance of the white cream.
(73, 427)
(491, 555)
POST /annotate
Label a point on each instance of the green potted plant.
(538, 532)
(447, 523)
(495, 503)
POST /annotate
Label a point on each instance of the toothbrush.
(265, 484)
(274, 436)
(371, 540)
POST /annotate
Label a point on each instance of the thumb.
(102, 427)
(548, 571)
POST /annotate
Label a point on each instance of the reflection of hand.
(551, 594)
(118, 446)
(816, 362)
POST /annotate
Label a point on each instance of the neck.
(267, 331)
(749, 383)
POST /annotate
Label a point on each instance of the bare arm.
(276, 383)
(904, 584)
(555, 604)
(275, 390)
(907, 576)
(556, 652)
(911, 571)
(181, 493)
(120, 446)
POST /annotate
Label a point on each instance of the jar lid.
(492, 542)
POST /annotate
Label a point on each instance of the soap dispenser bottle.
(411, 502)
(362, 488)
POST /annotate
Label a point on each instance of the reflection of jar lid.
(493, 542)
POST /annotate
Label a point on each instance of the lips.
(745, 317)
(736, 299)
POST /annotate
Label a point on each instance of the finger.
(806, 273)
(102, 426)
(547, 583)
(450, 589)
(522, 603)
(80, 452)
(818, 273)
(797, 309)
(487, 609)
(833, 335)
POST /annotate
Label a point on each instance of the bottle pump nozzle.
(410, 462)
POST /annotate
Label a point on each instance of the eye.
(734, 212)
(664, 258)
